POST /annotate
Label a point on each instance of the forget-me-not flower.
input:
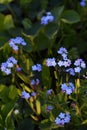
(14, 42)
(62, 119)
(25, 95)
(46, 19)
(37, 67)
(83, 3)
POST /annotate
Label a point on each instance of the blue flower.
(6, 66)
(25, 95)
(62, 119)
(83, 3)
(33, 94)
(62, 50)
(67, 88)
(14, 42)
(79, 63)
(51, 62)
(37, 67)
(49, 92)
(77, 69)
(49, 108)
(71, 71)
(46, 19)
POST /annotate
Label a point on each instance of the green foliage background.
(69, 29)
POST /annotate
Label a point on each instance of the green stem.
(11, 10)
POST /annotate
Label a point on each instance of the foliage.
(22, 18)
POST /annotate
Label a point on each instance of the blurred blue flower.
(25, 95)
(49, 108)
(83, 3)
(49, 92)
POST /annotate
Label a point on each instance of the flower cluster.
(62, 119)
(14, 42)
(46, 19)
(79, 63)
(65, 62)
(83, 3)
(37, 67)
(68, 89)
(6, 66)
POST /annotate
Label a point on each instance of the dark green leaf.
(70, 17)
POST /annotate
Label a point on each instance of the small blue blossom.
(37, 67)
(37, 81)
(32, 82)
(60, 63)
(18, 69)
(77, 69)
(25, 95)
(51, 62)
(65, 63)
(62, 50)
(12, 60)
(62, 119)
(68, 89)
(71, 71)
(14, 42)
(79, 63)
(83, 3)
(33, 94)
(6, 66)
(49, 92)
(46, 19)
(49, 108)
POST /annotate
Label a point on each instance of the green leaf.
(6, 109)
(8, 121)
(84, 122)
(12, 89)
(23, 77)
(45, 124)
(27, 23)
(46, 78)
(1, 21)
(70, 17)
(57, 12)
(8, 22)
(29, 40)
(25, 1)
(5, 1)
(41, 42)
(50, 30)
(26, 124)
(38, 107)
